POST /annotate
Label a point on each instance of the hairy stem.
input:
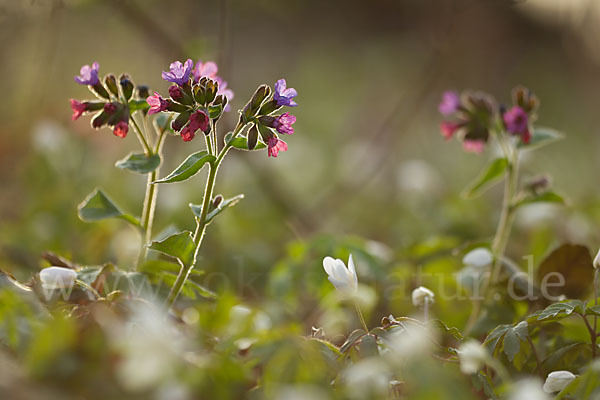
(201, 222)
(361, 317)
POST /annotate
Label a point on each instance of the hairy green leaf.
(188, 168)
(97, 206)
(139, 162)
(493, 173)
(180, 246)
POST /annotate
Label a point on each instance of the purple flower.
(157, 103)
(283, 123)
(179, 73)
(283, 95)
(450, 103)
(516, 120)
(88, 75)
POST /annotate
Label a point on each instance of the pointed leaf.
(180, 246)
(546, 197)
(135, 105)
(188, 168)
(139, 162)
(492, 175)
(197, 209)
(98, 206)
(542, 137)
(352, 339)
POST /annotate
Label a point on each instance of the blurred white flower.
(57, 278)
(418, 177)
(472, 356)
(366, 378)
(412, 342)
(301, 392)
(479, 257)
(597, 260)
(557, 381)
(344, 279)
(421, 295)
(528, 389)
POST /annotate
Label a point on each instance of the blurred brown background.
(366, 159)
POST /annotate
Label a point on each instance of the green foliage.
(492, 174)
(188, 168)
(541, 137)
(214, 211)
(139, 162)
(180, 246)
(241, 143)
(97, 206)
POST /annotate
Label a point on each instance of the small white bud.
(472, 356)
(422, 294)
(57, 277)
(597, 260)
(344, 279)
(557, 381)
(479, 257)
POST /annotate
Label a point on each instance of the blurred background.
(367, 171)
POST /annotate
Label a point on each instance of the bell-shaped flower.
(479, 257)
(344, 279)
(422, 295)
(557, 381)
(57, 278)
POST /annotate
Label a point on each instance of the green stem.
(141, 137)
(201, 221)
(502, 231)
(360, 316)
(149, 206)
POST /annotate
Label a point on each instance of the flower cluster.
(115, 102)
(474, 115)
(259, 112)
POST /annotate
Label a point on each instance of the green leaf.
(560, 310)
(541, 137)
(352, 339)
(546, 197)
(139, 162)
(368, 346)
(197, 209)
(241, 143)
(507, 338)
(492, 175)
(190, 288)
(442, 327)
(135, 105)
(98, 206)
(180, 246)
(163, 122)
(188, 168)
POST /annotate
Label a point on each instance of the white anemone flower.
(57, 278)
(557, 381)
(421, 295)
(479, 257)
(472, 356)
(344, 279)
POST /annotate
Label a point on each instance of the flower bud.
(142, 91)
(180, 121)
(176, 107)
(525, 99)
(211, 90)
(269, 107)
(176, 93)
(597, 260)
(557, 381)
(199, 94)
(422, 295)
(472, 356)
(259, 96)
(100, 120)
(217, 200)
(126, 86)
(110, 108)
(343, 279)
(99, 90)
(57, 278)
(252, 137)
(111, 83)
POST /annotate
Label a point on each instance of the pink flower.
(121, 129)
(187, 133)
(283, 123)
(275, 146)
(198, 120)
(473, 146)
(78, 108)
(157, 103)
(448, 129)
(208, 69)
(110, 108)
(176, 93)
